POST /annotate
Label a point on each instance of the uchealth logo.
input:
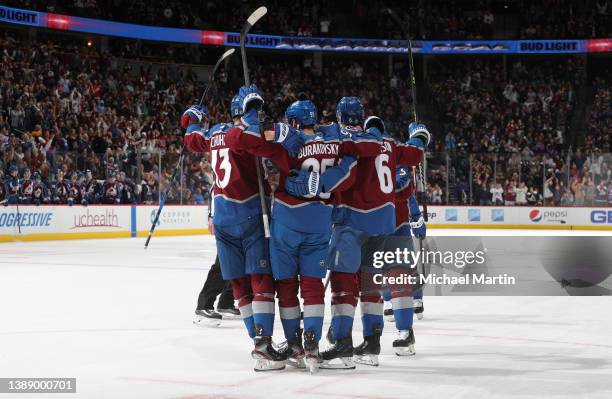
(91, 218)
(550, 216)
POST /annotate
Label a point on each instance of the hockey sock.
(345, 291)
(401, 300)
(313, 293)
(263, 302)
(289, 305)
(418, 294)
(371, 312)
(371, 304)
(402, 310)
(243, 293)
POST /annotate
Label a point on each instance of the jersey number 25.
(313, 165)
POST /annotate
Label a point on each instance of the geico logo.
(601, 216)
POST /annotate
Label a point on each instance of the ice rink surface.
(118, 318)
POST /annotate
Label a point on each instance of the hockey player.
(110, 190)
(401, 295)
(40, 193)
(75, 189)
(12, 185)
(301, 228)
(3, 199)
(363, 217)
(214, 286)
(27, 186)
(238, 226)
(60, 188)
(91, 189)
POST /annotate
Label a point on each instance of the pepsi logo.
(535, 215)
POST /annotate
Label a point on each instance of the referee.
(214, 286)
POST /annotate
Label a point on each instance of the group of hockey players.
(345, 192)
(76, 188)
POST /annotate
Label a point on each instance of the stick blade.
(256, 15)
(227, 54)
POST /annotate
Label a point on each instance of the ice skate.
(266, 357)
(418, 308)
(293, 351)
(312, 359)
(229, 313)
(207, 318)
(342, 350)
(367, 353)
(404, 344)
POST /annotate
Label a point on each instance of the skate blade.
(367, 360)
(389, 317)
(230, 316)
(419, 316)
(202, 321)
(404, 350)
(346, 363)
(268, 365)
(297, 363)
(312, 364)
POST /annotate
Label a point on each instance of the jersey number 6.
(385, 178)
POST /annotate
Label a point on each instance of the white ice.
(118, 318)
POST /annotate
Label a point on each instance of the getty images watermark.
(410, 260)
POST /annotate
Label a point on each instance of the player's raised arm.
(412, 152)
(195, 121)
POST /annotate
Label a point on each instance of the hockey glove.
(250, 97)
(250, 121)
(418, 135)
(291, 139)
(417, 224)
(401, 177)
(194, 114)
(303, 183)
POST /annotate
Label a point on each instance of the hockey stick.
(17, 203)
(252, 20)
(419, 171)
(422, 191)
(179, 163)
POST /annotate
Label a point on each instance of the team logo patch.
(322, 262)
(263, 263)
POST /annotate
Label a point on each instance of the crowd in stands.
(92, 129)
(504, 139)
(555, 19)
(431, 19)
